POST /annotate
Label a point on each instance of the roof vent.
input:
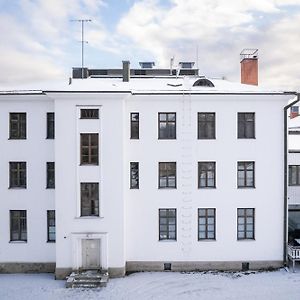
(147, 64)
(203, 82)
(186, 64)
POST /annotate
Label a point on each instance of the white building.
(152, 172)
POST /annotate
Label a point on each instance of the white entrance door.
(91, 253)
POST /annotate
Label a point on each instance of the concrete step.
(87, 279)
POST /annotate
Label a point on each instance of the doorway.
(90, 254)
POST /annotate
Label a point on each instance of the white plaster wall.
(36, 150)
(142, 232)
(70, 174)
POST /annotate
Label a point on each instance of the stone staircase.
(87, 279)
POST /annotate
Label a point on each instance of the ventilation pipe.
(126, 70)
(249, 66)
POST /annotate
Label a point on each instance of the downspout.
(285, 208)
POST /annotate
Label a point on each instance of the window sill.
(166, 241)
(207, 188)
(245, 138)
(16, 139)
(171, 139)
(167, 188)
(89, 218)
(89, 165)
(17, 188)
(48, 138)
(205, 139)
(50, 188)
(245, 240)
(207, 240)
(51, 242)
(245, 187)
(18, 242)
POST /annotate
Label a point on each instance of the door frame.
(77, 248)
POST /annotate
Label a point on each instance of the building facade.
(151, 173)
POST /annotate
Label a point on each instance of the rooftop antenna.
(82, 21)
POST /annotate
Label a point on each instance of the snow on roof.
(167, 84)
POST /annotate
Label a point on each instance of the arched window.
(203, 82)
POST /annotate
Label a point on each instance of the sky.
(40, 43)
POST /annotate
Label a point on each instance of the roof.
(140, 85)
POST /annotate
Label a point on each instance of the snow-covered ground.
(168, 285)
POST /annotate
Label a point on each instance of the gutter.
(285, 204)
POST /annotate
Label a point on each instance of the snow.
(160, 285)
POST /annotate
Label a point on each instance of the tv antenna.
(82, 21)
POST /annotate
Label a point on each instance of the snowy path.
(168, 285)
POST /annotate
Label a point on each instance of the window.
(206, 224)
(89, 148)
(206, 174)
(89, 199)
(18, 225)
(88, 113)
(50, 125)
(51, 225)
(246, 125)
(134, 175)
(167, 175)
(17, 130)
(17, 174)
(167, 224)
(246, 174)
(167, 126)
(245, 223)
(294, 175)
(206, 126)
(134, 126)
(50, 175)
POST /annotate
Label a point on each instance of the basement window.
(203, 82)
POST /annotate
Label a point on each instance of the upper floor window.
(245, 223)
(89, 113)
(50, 125)
(50, 175)
(89, 152)
(167, 175)
(294, 175)
(246, 125)
(206, 223)
(134, 175)
(134, 126)
(51, 225)
(18, 225)
(17, 174)
(167, 224)
(89, 199)
(206, 174)
(17, 123)
(167, 126)
(206, 126)
(246, 174)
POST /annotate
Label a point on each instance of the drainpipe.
(285, 208)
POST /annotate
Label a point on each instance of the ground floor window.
(206, 224)
(51, 225)
(294, 224)
(18, 225)
(89, 199)
(245, 223)
(167, 224)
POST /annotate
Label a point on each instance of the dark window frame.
(167, 231)
(134, 126)
(245, 171)
(17, 169)
(50, 174)
(50, 218)
(167, 176)
(93, 204)
(17, 125)
(243, 124)
(206, 217)
(50, 126)
(168, 122)
(21, 215)
(134, 177)
(89, 113)
(90, 147)
(245, 223)
(206, 123)
(207, 186)
(297, 167)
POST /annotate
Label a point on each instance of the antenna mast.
(82, 21)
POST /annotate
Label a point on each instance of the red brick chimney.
(249, 66)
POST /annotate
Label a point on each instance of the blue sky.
(38, 41)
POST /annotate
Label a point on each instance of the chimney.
(126, 70)
(249, 66)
